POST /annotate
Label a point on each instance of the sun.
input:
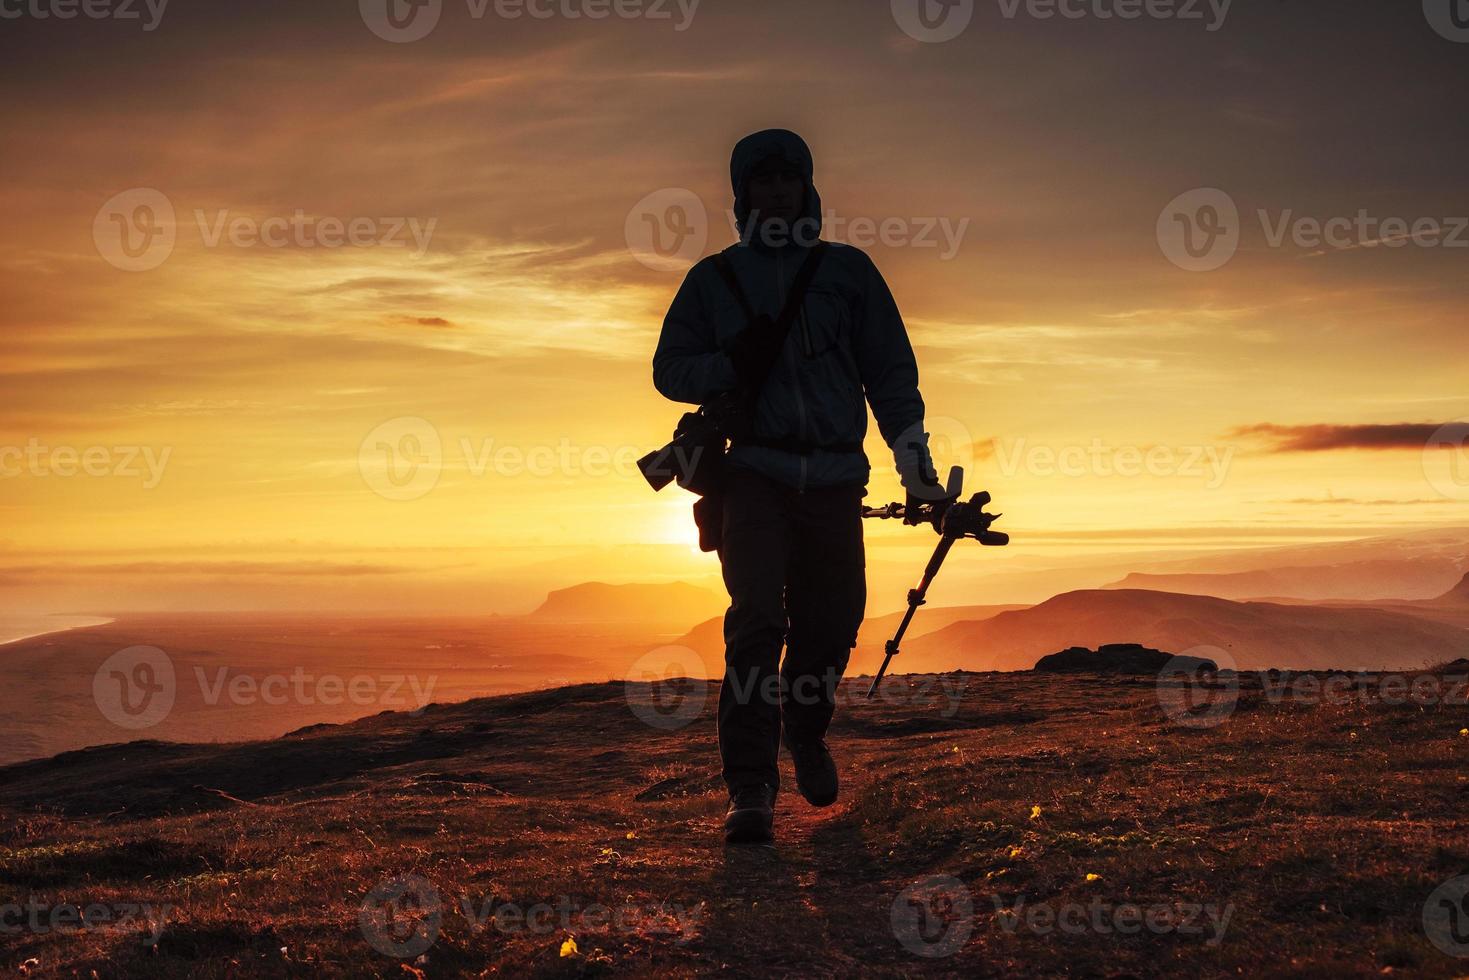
(675, 522)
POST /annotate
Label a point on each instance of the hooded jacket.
(847, 349)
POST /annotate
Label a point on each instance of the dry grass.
(1321, 830)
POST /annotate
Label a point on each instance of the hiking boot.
(751, 815)
(816, 773)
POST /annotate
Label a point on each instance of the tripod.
(954, 522)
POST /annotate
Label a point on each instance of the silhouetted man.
(791, 549)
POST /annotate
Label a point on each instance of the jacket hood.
(789, 148)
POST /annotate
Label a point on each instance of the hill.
(706, 640)
(1416, 578)
(599, 602)
(1451, 608)
(556, 834)
(1256, 635)
(1458, 596)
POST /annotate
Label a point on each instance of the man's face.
(777, 192)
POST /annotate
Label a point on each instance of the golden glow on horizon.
(1056, 347)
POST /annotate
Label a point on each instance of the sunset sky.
(1288, 395)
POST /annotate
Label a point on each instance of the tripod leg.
(916, 598)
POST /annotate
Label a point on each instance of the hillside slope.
(965, 798)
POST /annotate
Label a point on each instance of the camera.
(695, 457)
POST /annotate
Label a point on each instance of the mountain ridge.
(1256, 635)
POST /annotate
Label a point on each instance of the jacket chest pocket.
(826, 326)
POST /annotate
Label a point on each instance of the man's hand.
(927, 499)
(928, 492)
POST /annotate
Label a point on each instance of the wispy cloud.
(1320, 438)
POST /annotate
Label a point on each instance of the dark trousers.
(795, 569)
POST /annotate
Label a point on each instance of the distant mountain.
(1450, 608)
(1457, 596)
(1388, 578)
(707, 638)
(1256, 635)
(1450, 543)
(875, 632)
(598, 602)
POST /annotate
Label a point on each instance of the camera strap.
(795, 299)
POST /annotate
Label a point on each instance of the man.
(791, 548)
